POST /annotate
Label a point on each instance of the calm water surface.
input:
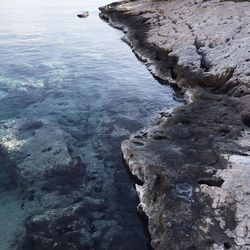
(79, 76)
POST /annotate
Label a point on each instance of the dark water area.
(70, 85)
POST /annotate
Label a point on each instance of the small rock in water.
(83, 14)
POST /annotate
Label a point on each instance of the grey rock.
(187, 166)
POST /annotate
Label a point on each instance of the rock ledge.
(193, 166)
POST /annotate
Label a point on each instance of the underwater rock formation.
(63, 204)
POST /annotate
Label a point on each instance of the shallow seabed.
(70, 90)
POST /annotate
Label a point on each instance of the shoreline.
(190, 164)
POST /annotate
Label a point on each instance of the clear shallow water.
(77, 75)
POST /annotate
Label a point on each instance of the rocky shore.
(192, 167)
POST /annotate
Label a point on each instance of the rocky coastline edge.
(192, 167)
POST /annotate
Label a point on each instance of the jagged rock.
(33, 163)
(192, 168)
(172, 161)
(216, 48)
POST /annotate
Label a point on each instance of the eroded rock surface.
(192, 168)
(201, 42)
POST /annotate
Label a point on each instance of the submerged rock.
(63, 201)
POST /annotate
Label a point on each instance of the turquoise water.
(77, 77)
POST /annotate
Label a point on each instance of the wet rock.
(63, 178)
(31, 125)
(32, 163)
(62, 228)
(83, 14)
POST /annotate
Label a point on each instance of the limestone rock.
(192, 168)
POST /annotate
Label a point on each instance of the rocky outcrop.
(64, 203)
(192, 168)
(83, 14)
(217, 56)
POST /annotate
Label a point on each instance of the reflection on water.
(70, 92)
